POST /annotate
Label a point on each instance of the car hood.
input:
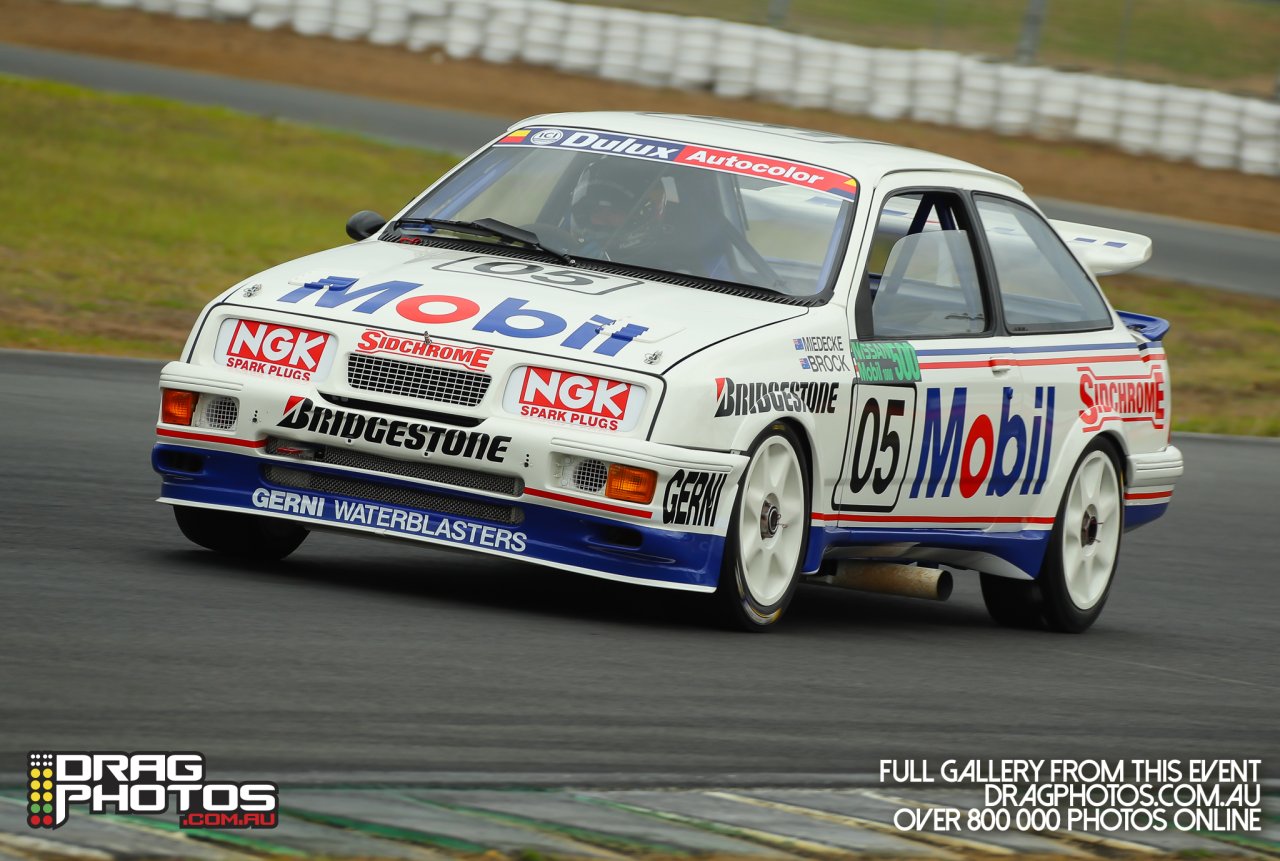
(540, 307)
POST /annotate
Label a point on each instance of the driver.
(613, 194)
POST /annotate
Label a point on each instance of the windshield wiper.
(491, 228)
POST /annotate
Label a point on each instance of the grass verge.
(126, 213)
(129, 213)
(1222, 43)
(1070, 170)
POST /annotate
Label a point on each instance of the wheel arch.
(1118, 449)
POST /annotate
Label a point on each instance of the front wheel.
(242, 536)
(768, 532)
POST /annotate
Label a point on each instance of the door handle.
(1000, 367)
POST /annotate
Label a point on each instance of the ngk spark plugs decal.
(274, 349)
(583, 400)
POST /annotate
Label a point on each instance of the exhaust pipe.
(889, 578)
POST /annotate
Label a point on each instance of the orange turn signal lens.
(631, 484)
(177, 407)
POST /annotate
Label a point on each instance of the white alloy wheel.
(771, 521)
(1091, 525)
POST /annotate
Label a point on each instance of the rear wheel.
(242, 536)
(1013, 603)
(768, 532)
(1080, 561)
(1081, 565)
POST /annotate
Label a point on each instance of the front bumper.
(538, 517)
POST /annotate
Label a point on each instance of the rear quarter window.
(1043, 288)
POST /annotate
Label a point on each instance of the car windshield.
(679, 208)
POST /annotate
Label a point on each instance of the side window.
(921, 277)
(1043, 288)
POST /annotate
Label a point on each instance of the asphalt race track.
(375, 660)
(1196, 253)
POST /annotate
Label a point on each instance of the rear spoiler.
(1102, 250)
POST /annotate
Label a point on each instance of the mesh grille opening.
(301, 479)
(590, 475)
(436, 473)
(218, 412)
(411, 380)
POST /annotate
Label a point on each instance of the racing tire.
(1080, 561)
(1084, 550)
(1012, 603)
(768, 533)
(240, 536)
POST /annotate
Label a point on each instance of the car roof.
(866, 160)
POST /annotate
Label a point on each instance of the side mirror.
(364, 224)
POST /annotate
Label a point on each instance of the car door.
(939, 434)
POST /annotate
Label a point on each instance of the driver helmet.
(613, 194)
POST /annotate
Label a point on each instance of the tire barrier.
(1210, 128)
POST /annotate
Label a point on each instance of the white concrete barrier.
(1098, 117)
(1055, 110)
(1180, 112)
(1218, 144)
(547, 21)
(892, 76)
(696, 48)
(736, 60)
(976, 102)
(937, 81)
(1140, 107)
(851, 79)
(1016, 97)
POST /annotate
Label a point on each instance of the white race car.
(699, 354)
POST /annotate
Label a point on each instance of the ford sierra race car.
(698, 354)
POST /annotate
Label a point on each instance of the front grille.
(436, 473)
(413, 380)
(373, 491)
(217, 411)
(590, 475)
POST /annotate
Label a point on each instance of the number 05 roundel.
(880, 435)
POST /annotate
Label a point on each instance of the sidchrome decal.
(583, 400)
(885, 362)
(301, 414)
(390, 518)
(726, 161)
(1124, 398)
(511, 317)
(744, 399)
(950, 443)
(273, 349)
(378, 341)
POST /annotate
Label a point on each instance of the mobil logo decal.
(1008, 451)
(512, 317)
(273, 349)
(1126, 398)
(572, 398)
